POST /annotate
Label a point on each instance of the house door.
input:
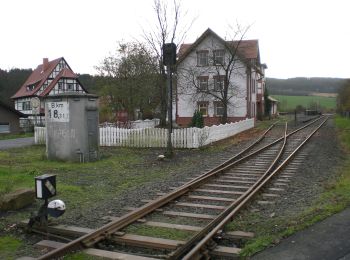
(92, 122)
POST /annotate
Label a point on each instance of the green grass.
(85, 186)
(343, 126)
(289, 103)
(14, 136)
(8, 247)
(335, 198)
(79, 185)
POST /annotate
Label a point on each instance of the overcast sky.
(298, 38)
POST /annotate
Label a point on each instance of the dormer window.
(30, 87)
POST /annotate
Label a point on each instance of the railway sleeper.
(245, 178)
(165, 225)
(243, 174)
(227, 186)
(235, 181)
(210, 198)
(250, 171)
(265, 202)
(141, 241)
(50, 245)
(181, 214)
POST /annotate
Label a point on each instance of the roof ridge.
(36, 76)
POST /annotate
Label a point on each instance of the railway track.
(201, 207)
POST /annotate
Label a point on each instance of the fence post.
(195, 138)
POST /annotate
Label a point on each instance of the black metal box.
(169, 54)
(45, 186)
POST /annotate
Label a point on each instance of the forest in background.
(303, 86)
(12, 80)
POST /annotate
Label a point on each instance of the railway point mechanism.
(45, 188)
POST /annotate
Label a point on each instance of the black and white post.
(169, 60)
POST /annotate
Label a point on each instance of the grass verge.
(8, 247)
(14, 136)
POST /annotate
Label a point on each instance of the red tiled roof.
(37, 77)
(65, 73)
(248, 49)
(183, 48)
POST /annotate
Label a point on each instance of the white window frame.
(218, 105)
(203, 106)
(219, 57)
(202, 83)
(202, 58)
(219, 81)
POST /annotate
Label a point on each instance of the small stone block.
(17, 199)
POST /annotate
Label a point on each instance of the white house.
(210, 66)
(49, 78)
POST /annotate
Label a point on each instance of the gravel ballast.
(323, 154)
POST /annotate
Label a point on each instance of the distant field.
(288, 103)
(323, 94)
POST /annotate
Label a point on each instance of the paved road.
(326, 240)
(15, 143)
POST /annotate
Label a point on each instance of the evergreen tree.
(197, 120)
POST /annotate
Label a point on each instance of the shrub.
(197, 120)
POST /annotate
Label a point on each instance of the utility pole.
(169, 60)
(170, 111)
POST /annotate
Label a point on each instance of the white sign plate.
(58, 111)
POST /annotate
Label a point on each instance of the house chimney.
(45, 63)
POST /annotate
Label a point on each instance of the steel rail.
(187, 246)
(232, 211)
(198, 180)
(107, 230)
(235, 156)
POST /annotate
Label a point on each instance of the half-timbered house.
(49, 78)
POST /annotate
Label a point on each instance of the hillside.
(10, 82)
(303, 86)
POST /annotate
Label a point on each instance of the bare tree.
(226, 64)
(168, 28)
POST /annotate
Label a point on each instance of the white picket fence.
(39, 135)
(157, 137)
(147, 123)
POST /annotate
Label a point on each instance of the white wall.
(187, 97)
